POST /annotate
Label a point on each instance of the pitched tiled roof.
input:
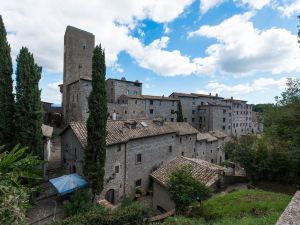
(208, 96)
(118, 132)
(183, 95)
(203, 171)
(206, 136)
(218, 134)
(151, 97)
(182, 128)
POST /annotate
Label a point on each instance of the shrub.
(184, 189)
(80, 202)
(134, 214)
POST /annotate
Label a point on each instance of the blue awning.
(68, 183)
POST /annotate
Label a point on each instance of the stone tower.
(78, 53)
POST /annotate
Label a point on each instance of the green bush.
(184, 189)
(80, 202)
(133, 214)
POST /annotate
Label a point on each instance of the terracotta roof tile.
(206, 136)
(118, 132)
(205, 172)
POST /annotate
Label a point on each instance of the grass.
(243, 207)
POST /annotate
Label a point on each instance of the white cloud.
(255, 4)
(40, 25)
(52, 93)
(291, 9)
(241, 48)
(206, 5)
(166, 63)
(260, 84)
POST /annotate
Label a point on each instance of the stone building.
(205, 172)
(134, 150)
(78, 53)
(209, 113)
(115, 88)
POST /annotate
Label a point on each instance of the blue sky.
(240, 48)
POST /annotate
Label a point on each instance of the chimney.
(158, 121)
(114, 116)
(231, 98)
(123, 78)
(217, 95)
(130, 124)
(209, 94)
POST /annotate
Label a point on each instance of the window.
(182, 153)
(138, 183)
(170, 148)
(180, 140)
(223, 128)
(119, 148)
(185, 119)
(193, 119)
(138, 158)
(172, 103)
(212, 161)
(125, 112)
(83, 47)
(193, 111)
(135, 101)
(133, 112)
(224, 119)
(172, 119)
(117, 169)
(224, 111)
(151, 111)
(151, 102)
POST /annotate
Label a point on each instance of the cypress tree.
(28, 119)
(6, 90)
(95, 152)
(179, 112)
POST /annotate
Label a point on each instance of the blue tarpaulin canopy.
(68, 183)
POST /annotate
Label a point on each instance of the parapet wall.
(291, 215)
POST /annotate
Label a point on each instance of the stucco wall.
(161, 197)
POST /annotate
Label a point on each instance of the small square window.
(182, 153)
(151, 111)
(138, 183)
(151, 102)
(139, 158)
(119, 148)
(170, 148)
(117, 168)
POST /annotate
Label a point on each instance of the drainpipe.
(125, 169)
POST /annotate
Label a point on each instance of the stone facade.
(130, 160)
(78, 53)
(115, 88)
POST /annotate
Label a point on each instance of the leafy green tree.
(184, 189)
(17, 171)
(95, 152)
(29, 115)
(80, 202)
(6, 90)
(179, 112)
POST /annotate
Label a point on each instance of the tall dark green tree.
(6, 90)
(95, 151)
(28, 115)
(179, 112)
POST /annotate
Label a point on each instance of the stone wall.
(291, 215)
(161, 198)
(78, 52)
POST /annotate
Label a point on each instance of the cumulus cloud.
(206, 5)
(241, 48)
(260, 84)
(291, 9)
(51, 93)
(40, 25)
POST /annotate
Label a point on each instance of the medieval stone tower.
(78, 53)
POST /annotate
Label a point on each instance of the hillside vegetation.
(244, 207)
